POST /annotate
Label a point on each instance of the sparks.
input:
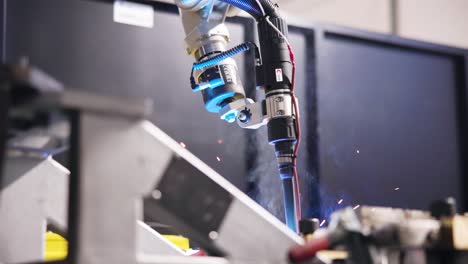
(220, 141)
(356, 207)
(357, 151)
(183, 144)
(323, 222)
(397, 188)
(340, 201)
(218, 158)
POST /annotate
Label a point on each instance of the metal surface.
(53, 204)
(75, 99)
(203, 29)
(243, 220)
(151, 243)
(279, 105)
(33, 193)
(254, 116)
(414, 227)
(251, 234)
(230, 111)
(119, 162)
(191, 4)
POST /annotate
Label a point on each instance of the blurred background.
(437, 21)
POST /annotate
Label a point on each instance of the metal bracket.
(33, 192)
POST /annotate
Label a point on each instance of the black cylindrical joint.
(281, 129)
(276, 69)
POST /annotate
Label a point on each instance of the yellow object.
(180, 241)
(56, 247)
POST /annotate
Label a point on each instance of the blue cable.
(246, 5)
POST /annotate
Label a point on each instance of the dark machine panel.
(390, 122)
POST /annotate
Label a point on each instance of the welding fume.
(215, 75)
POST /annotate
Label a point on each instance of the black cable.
(270, 8)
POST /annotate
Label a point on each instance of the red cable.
(305, 252)
(199, 253)
(298, 136)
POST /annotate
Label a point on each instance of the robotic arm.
(215, 75)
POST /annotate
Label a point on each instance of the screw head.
(213, 235)
(244, 116)
(156, 194)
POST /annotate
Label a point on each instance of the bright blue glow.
(211, 84)
(290, 216)
(216, 83)
(230, 117)
(213, 104)
(290, 212)
(289, 203)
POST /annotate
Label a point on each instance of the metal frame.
(151, 243)
(33, 193)
(110, 185)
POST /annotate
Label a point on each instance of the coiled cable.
(224, 55)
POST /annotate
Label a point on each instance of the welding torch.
(215, 75)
